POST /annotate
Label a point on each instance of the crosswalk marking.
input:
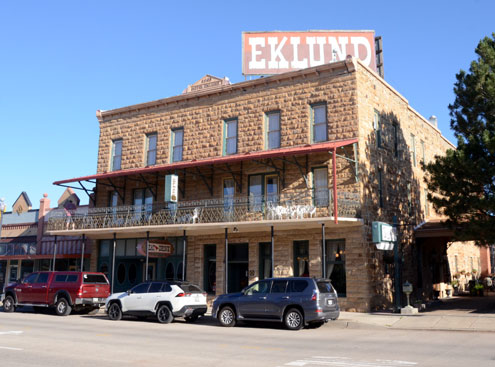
(11, 332)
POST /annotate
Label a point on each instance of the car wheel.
(62, 307)
(8, 304)
(192, 318)
(226, 316)
(293, 319)
(164, 315)
(114, 312)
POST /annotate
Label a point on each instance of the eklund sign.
(278, 52)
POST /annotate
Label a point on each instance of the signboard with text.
(156, 248)
(265, 53)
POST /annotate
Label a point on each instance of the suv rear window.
(189, 288)
(324, 287)
(296, 286)
(94, 279)
(61, 278)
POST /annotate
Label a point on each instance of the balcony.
(209, 211)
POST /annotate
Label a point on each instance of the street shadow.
(463, 304)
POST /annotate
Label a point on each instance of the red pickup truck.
(65, 290)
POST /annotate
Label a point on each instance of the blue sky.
(60, 61)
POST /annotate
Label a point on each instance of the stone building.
(268, 170)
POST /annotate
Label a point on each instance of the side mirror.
(129, 292)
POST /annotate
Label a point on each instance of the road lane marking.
(17, 332)
(9, 348)
(348, 362)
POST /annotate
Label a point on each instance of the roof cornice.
(348, 66)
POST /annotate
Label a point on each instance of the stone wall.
(358, 292)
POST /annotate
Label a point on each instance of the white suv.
(165, 300)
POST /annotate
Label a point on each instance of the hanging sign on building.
(265, 53)
(156, 248)
(384, 235)
(171, 188)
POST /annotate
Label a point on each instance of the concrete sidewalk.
(453, 314)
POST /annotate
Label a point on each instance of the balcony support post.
(184, 243)
(334, 169)
(54, 253)
(83, 249)
(273, 253)
(147, 254)
(226, 261)
(324, 252)
(113, 260)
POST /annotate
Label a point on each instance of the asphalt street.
(30, 339)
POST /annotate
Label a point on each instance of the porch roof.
(265, 154)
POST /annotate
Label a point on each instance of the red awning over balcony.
(265, 154)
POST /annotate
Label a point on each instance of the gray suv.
(294, 301)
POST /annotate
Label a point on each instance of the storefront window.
(335, 265)
(265, 260)
(301, 258)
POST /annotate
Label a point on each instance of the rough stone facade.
(353, 94)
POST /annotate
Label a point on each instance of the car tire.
(164, 315)
(114, 312)
(226, 316)
(62, 307)
(293, 319)
(192, 318)
(8, 304)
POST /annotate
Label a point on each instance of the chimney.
(433, 120)
(44, 208)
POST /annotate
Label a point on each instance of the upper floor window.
(413, 149)
(320, 186)
(151, 149)
(177, 144)
(113, 199)
(396, 139)
(319, 123)
(116, 154)
(423, 151)
(272, 130)
(230, 137)
(378, 129)
(380, 188)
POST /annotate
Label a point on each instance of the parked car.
(164, 300)
(294, 301)
(65, 290)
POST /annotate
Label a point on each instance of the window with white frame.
(230, 137)
(151, 149)
(272, 130)
(319, 122)
(320, 186)
(116, 155)
(177, 144)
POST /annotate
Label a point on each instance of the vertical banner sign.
(265, 53)
(171, 188)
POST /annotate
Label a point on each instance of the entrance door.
(128, 273)
(238, 267)
(210, 268)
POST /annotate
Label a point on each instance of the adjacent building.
(26, 247)
(277, 176)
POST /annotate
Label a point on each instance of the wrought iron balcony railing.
(253, 208)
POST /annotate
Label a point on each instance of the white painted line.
(11, 332)
(348, 362)
(9, 348)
